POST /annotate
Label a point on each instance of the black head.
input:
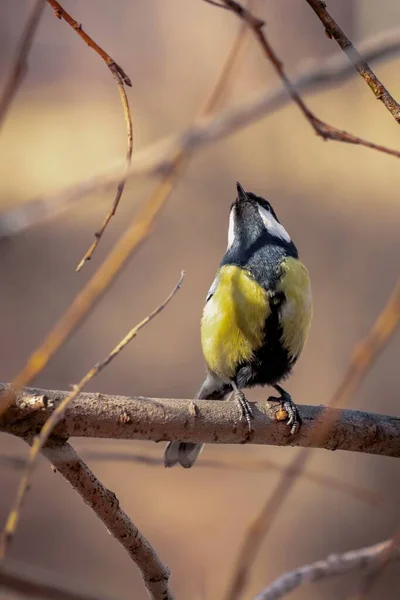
(246, 197)
(253, 219)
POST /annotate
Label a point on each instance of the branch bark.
(106, 506)
(335, 564)
(333, 31)
(160, 419)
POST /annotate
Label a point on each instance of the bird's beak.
(241, 193)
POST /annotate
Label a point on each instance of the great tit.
(256, 317)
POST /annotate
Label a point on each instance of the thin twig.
(114, 67)
(40, 441)
(333, 31)
(322, 129)
(214, 3)
(357, 492)
(121, 185)
(368, 496)
(121, 79)
(20, 65)
(382, 561)
(333, 565)
(31, 582)
(136, 233)
(159, 158)
(365, 355)
(106, 506)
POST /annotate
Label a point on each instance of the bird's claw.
(289, 407)
(293, 420)
(245, 407)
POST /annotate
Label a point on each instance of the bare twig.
(121, 185)
(333, 565)
(325, 131)
(364, 357)
(159, 158)
(362, 494)
(333, 31)
(106, 506)
(368, 496)
(20, 66)
(382, 561)
(136, 233)
(121, 79)
(48, 427)
(93, 415)
(215, 3)
(31, 582)
(91, 293)
(114, 67)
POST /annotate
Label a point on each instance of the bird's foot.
(245, 408)
(289, 408)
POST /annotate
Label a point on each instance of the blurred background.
(340, 203)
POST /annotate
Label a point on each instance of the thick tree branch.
(333, 565)
(359, 63)
(106, 506)
(159, 419)
(160, 158)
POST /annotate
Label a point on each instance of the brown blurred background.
(341, 205)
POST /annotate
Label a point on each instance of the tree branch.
(322, 129)
(114, 67)
(106, 506)
(333, 31)
(159, 158)
(333, 565)
(160, 419)
(121, 79)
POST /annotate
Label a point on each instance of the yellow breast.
(232, 327)
(296, 312)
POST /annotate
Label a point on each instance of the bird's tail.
(186, 453)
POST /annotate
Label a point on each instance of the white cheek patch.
(272, 225)
(231, 229)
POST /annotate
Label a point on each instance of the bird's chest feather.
(233, 321)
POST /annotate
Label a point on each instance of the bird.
(256, 318)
